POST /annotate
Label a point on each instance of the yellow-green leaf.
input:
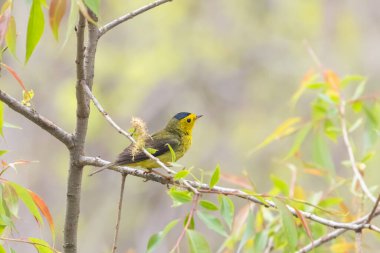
(179, 197)
(181, 174)
(152, 150)
(208, 205)
(197, 243)
(288, 225)
(215, 176)
(93, 5)
(284, 129)
(300, 137)
(227, 209)
(11, 36)
(212, 223)
(36, 26)
(41, 245)
(174, 158)
(25, 197)
(155, 239)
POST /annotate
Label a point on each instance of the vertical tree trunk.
(85, 60)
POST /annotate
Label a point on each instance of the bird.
(177, 134)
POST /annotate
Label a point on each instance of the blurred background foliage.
(236, 62)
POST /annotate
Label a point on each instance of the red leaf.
(15, 75)
(44, 210)
(304, 224)
(57, 10)
(4, 20)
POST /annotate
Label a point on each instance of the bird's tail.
(101, 169)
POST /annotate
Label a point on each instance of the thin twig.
(205, 188)
(126, 134)
(350, 152)
(358, 241)
(38, 119)
(130, 15)
(188, 222)
(322, 240)
(371, 215)
(28, 242)
(123, 176)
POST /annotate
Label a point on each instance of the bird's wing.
(160, 144)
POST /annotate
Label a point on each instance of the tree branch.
(37, 119)
(188, 222)
(205, 188)
(123, 176)
(130, 15)
(371, 215)
(346, 140)
(322, 240)
(85, 61)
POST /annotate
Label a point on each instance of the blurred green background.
(236, 62)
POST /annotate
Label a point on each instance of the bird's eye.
(188, 120)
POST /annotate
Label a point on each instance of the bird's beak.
(199, 116)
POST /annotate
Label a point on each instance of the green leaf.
(179, 197)
(2, 152)
(174, 158)
(73, 16)
(1, 118)
(36, 25)
(355, 125)
(93, 5)
(321, 153)
(261, 239)
(155, 239)
(284, 129)
(9, 125)
(300, 137)
(359, 90)
(41, 245)
(25, 197)
(248, 231)
(212, 223)
(368, 156)
(351, 79)
(192, 223)
(288, 224)
(280, 184)
(215, 176)
(208, 205)
(328, 202)
(2, 250)
(181, 174)
(11, 36)
(197, 243)
(11, 199)
(357, 106)
(152, 150)
(227, 209)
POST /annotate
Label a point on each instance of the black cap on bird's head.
(182, 115)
